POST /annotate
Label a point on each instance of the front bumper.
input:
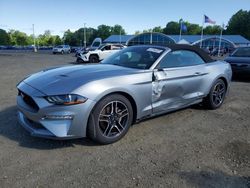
(38, 130)
(83, 57)
(40, 122)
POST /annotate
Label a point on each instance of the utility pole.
(222, 28)
(85, 35)
(203, 21)
(33, 27)
(120, 36)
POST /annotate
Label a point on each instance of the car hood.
(64, 80)
(238, 60)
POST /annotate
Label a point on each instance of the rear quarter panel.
(216, 70)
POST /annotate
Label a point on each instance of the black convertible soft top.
(195, 49)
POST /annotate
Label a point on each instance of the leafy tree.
(18, 38)
(157, 29)
(137, 32)
(117, 30)
(4, 37)
(91, 34)
(172, 28)
(57, 40)
(147, 31)
(240, 24)
(212, 30)
(69, 38)
(193, 29)
(104, 31)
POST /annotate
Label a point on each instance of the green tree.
(18, 38)
(137, 32)
(240, 24)
(172, 28)
(57, 40)
(212, 30)
(4, 37)
(104, 31)
(70, 38)
(157, 29)
(193, 29)
(117, 30)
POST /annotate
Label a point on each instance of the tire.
(79, 60)
(93, 59)
(62, 52)
(110, 119)
(216, 96)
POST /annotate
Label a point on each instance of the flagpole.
(202, 31)
(222, 27)
(180, 31)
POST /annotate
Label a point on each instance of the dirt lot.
(188, 148)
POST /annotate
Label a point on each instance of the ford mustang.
(101, 101)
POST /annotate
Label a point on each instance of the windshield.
(241, 52)
(137, 57)
(59, 47)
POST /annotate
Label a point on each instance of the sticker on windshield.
(155, 50)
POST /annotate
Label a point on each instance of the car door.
(105, 52)
(178, 80)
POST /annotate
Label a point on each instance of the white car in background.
(61, 49)
(99, 54)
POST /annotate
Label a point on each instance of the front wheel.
(62, 52)
(110, 120)
(79, 60)
(93, 59)
(216, 95)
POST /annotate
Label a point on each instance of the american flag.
(208, 20)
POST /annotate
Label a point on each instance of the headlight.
(69, 99)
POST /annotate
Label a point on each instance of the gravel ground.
(188, 148)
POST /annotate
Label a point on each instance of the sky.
(60, 15)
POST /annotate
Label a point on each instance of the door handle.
(197, 73)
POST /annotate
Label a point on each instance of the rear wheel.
(110, 120)
(93, 59)
(216, 95)
(62, 52)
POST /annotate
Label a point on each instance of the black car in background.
(240, 60)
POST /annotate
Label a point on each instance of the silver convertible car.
(101, 101)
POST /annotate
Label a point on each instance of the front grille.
(28, 100)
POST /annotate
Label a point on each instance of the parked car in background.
(215, 52)
(102, 100)
(240, 60)
(94, 56)
(95, 44)
(61, 49)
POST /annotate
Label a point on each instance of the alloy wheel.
(218, 93)
(113, 119)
